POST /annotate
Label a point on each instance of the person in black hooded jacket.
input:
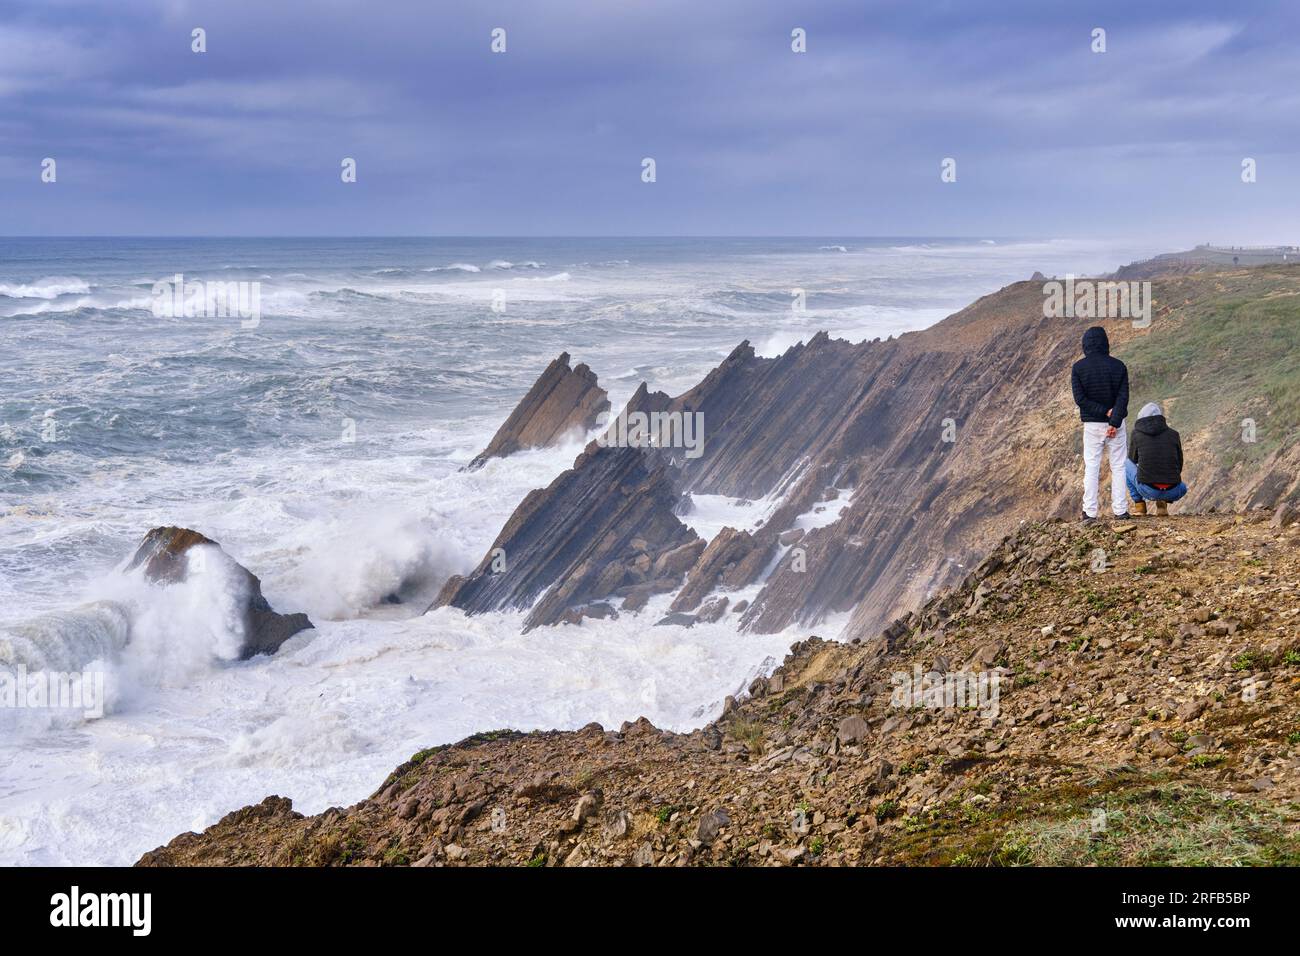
(1100, 385)
(1154, 470)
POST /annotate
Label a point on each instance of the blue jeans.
(1140, 492)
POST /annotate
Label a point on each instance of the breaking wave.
(50, 287)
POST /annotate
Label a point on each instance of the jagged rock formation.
(562, 402)
(732, 559)
(604, 527)
(1156, 684)
(929, 447)
(163, 557)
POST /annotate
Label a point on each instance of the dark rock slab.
(676, 618)
(562, 402)
(732, 560)
(598, 527)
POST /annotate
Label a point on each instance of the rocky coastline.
(923, 487)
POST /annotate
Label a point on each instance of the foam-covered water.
(114, 420)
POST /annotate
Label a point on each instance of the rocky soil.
(1147, 713)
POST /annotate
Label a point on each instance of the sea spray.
(376, 558)
(179, 630)
(67, 640)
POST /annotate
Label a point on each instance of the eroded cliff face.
(930, 447)
(944, 449)
(1221, 348)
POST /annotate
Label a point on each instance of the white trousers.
(1094, 441)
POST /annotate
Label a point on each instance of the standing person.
(1100, 386)
(1155, 462)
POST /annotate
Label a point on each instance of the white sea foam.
(363, 561)
(50, 287)
(325, 721)
(454, 267)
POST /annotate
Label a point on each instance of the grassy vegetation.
(1147, 822)
(752, 733)
(396, 856)
(1172, 826)
(1244, 345)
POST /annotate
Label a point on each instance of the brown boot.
(1138, 508)
(1162, 509)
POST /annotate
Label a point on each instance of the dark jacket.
(1099, 382)
(1157, 450)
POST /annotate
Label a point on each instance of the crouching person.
(1155, 462)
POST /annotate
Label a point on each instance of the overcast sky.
(749, 137)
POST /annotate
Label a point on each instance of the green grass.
(1245, 661)
(752, 733)
(886, 809)
(1175, 826)
(1242, 347)
(1150, 820)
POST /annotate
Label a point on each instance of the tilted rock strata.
(925, 450)
(562, 403)
(598, 529)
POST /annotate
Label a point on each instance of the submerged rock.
(598, 611)
(713, 609)
(163, 556)
(676, 619)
